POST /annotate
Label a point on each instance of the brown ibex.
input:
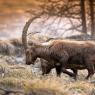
(24, 41)
(59, 51)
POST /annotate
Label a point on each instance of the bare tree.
(91, 5)
(83, 16)
(73, 10)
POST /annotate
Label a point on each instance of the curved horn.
(25, 29)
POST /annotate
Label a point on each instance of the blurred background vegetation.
(62, 16)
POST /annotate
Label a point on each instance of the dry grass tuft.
(10, 47)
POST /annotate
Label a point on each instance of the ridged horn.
(25, 29)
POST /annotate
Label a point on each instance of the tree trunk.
(91, 5)
(83, 16)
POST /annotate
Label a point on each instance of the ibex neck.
(43, 52)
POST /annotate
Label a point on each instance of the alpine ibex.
(59, 51)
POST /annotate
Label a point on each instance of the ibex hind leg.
(90, 69)
(64, 64)
(75, 72)
(68, 73)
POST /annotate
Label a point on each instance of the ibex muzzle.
(30, 56)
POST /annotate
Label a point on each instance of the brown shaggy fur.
(60, 51)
